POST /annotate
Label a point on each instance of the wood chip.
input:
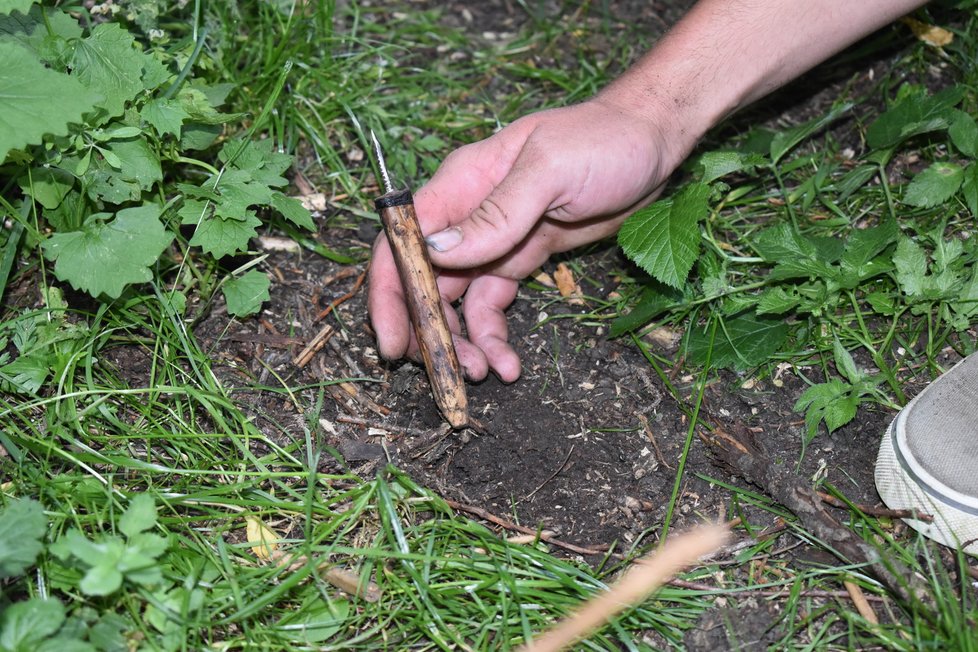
(932, 35)
(566, 284)
(861, 603)
(543, 278)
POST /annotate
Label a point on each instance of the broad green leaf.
(28, 372)
(108, 185)
(35, 101)
(776, 301)
(935, 185)
(165, 116)
(947, 252)
(718, 164)
(882, 302)
(139, 516)
(109, 254)
(146, 544)
(314, 622)
(740, 343)
(966, 304)
(216, 235)
(964, 134)
(653, 302)
(781, 242)
(108, 632)
(833, 402)
(10, 6)
(47, 185)
(845, 363)
(911, 267)
(107, 61)
(239, 192)
(45, 32)
(794, 255)
(104, 578)
(22, 527)
(913, 114)
(138, 161)
(199, 136)
(74, 544)
(259, 159)
(663, 238)
(293, 210)
(785, 141)
(155, 72)
(23, 625)
(863, 245)
(245, 294)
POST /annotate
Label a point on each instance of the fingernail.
(445, 240)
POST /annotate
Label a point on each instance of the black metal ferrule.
(394, 198)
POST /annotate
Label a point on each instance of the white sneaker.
(928, 460)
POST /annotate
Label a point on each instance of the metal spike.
(388, 187)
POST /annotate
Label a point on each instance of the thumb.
(498, 224)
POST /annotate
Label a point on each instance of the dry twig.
(509, 525)
(744, 453)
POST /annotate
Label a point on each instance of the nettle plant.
(107, 160)
(787, 283)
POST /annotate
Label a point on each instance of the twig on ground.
(770, 592)
(364, 400)
(432, 440)
(651, 437)
(314, 346)
(275, 341)
(387, 427)
(346, 297)
(870, 510)
(347, 581)
(745, 454)
(553, 475)
(509, 525)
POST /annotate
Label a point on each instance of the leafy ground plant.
(100, 132)
(844, 249)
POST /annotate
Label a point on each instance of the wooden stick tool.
(396, 209)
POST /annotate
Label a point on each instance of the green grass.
(89, 442)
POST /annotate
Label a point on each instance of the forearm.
(725, 54)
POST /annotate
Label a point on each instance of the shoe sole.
(903, 484)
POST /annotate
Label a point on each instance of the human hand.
(497, 209)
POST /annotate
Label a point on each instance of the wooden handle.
(424, 304)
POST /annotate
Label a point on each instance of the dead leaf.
(264, 541)
(565, 281)
(929, 34)
(526, 539)
(543, 278)
(278, 243)
(663, 336)
(314, 201)
(349, 582)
